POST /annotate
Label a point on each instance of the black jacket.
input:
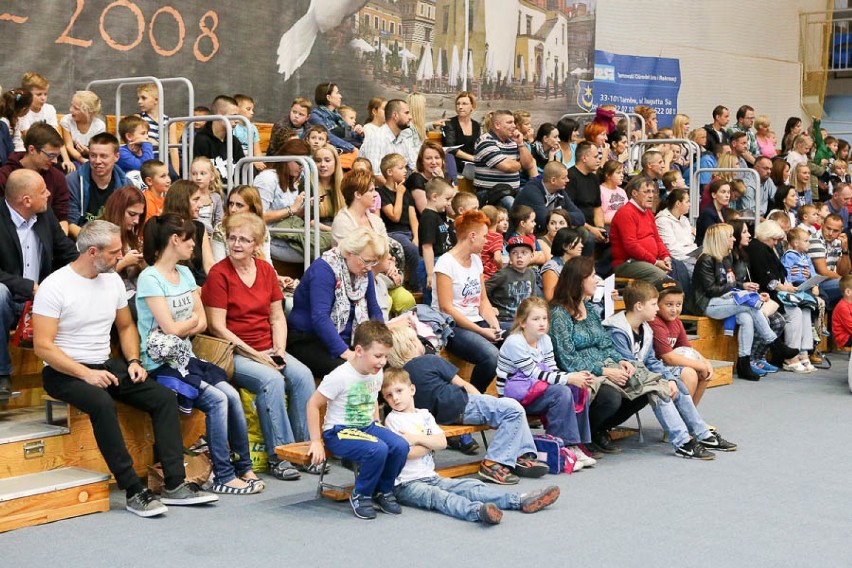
(709, 280)
(453, 136)
(57, 250)
(765, 267)
(533, 194)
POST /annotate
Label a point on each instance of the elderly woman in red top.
(637, 249)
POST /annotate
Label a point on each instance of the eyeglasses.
(368, 263)
(241, 240)
(50, 155)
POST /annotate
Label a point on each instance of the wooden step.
(49, 496)
(723, 373)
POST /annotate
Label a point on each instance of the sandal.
(249, 489)
(314, 469)
(284, 470)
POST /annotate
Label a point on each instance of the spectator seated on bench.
(453, 400)
(419, 485)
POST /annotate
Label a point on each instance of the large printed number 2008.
(207, 25)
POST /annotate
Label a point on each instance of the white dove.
(297, 42)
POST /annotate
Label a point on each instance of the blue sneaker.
(362, 506)
(758, 371)
(763, 365)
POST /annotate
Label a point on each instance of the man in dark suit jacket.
(34, 245)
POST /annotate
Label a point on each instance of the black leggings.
(609, 408)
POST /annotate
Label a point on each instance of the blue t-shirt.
(241, 134)
(431, 375)
(178, 297)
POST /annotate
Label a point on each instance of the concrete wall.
(751, 56)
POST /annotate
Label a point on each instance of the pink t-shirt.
(611, 201)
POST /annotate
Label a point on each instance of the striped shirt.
(818, 248)
(153, 126)
(490, 151)
(539, 362)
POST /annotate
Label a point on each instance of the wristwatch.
(137, 361)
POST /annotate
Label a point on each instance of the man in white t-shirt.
(73, 313)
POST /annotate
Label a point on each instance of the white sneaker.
(807, 365)
(583, 457)
(578, 465)
(796, 367)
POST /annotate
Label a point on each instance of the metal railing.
(245, 172)
(229, 140)
(163, 145)
(695, 190)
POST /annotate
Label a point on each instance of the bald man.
(34, 244)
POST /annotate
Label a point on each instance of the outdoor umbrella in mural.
(522, 73)
(425, 71)
(439, 69)
(358, 44)
(454, 67)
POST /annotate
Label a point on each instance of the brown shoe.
(816, 359)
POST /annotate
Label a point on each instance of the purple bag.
(524, 389)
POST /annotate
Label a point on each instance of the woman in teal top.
(581, 343)
(170, 312)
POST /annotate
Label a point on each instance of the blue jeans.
(679, 417)
(412, 257)
(556, 404)
(10, 312)
(475, 349)
(281, 424)
(508, 201)
(750, 319)
(424, 286)
(380, 453)
(512, 438)
(829, 290)
(459, 498)
(226, 426)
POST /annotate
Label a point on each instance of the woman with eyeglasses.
(126, 209)
(242, 300)
(336, 294)
(242, 199)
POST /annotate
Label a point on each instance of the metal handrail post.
(246, 166)
(229, 140)
(690, 149)
(121, 82)
(164, 133)
(627, 116)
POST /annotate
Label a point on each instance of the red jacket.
(634, 235)
(841, 323)
(53, 179)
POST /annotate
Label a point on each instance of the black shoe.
(718, 443)
(464, 443)
(528, 465)
(694, 450)
(5, 386)
(781, 350)
(603, 443)
(386, 502)
(744, 370)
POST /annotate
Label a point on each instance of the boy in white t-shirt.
(351, 429)
(40, 111)
(418, 485)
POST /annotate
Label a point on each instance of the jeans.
(512, 438)
(281, 250)
(507, 201)
(412, 257)
(556, 405)
(380, 453)
(424, 286)
(759, 346)
(829, 290)
(281, 424)
(10, 312)
(226, 428)
(475, 349)
(99, 403)
(458, 498)
(798, 333)
(750, 320)
(679, 417)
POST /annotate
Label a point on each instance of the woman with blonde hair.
(242, 302)
(242, 199)
(712, 281)
(80, 124)
(680, 126)
(765, 141)
(336, 294)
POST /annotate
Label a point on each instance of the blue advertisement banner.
(628, 80)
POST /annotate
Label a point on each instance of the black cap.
(669, 286)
